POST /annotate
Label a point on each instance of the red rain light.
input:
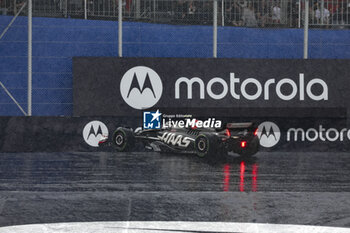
(256, 132)
(228, 133)
(243, 144)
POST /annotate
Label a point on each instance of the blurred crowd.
(264, 13)
(247, 13)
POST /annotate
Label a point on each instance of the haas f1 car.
(240, 138)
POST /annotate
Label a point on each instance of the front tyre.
(123, 139)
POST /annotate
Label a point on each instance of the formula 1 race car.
(240, 138)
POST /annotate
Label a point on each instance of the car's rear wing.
(239, 125)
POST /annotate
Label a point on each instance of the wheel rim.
(201, 145)
(119, 139)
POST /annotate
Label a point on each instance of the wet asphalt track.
(283, 188)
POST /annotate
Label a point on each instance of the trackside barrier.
(65, 134)
(290, 88)
(23, 134)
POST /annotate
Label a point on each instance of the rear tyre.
(206, 145)
(123, 139)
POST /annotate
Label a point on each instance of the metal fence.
(247, 13)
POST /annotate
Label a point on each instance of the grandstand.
(248, 13)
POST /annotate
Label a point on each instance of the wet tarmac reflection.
(172, 172)
(248, 176)
(126, 172)
(288, 188)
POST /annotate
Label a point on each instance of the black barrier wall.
(55, 134)
(235, 87)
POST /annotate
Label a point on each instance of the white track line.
(169, 227)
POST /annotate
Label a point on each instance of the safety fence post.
(215, 28)
(306, 29)
(29, 57)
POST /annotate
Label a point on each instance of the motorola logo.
(141, 87)
(269, 134)
(93, 131)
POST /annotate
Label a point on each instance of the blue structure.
(56, 41)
